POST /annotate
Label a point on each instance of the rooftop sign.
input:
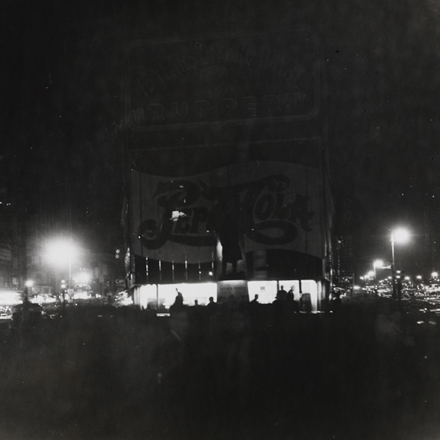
(240, 79)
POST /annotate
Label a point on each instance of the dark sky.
(61, 111)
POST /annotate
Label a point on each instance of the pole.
(70, 270)
(393, 271)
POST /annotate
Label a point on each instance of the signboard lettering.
(240, 78)
(273, 203)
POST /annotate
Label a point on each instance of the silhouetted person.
(178, 302)
(211, 307)
(211, 304)
(336, 301)
(255, 306)
(281, 295)
(290, 301)
(221, 220)
(229, 236)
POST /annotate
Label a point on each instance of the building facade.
(227, 181)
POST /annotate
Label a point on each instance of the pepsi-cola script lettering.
(191, 212)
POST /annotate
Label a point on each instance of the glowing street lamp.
(27, 289)
(399, 235)
(368, 277)
(377, 265)
(82, 277)
(61, 253)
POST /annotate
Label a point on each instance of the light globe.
(400, 235)
(378, 264)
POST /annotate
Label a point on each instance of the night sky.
(61, 109)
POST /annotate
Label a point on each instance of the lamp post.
(27, 289)
(61, 253)
(399, 235)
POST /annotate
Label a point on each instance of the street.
(369, 371)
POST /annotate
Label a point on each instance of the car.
(36, 313)
(5, 312)
(122, 299)
(385, 292)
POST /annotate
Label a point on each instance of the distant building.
(5, 265)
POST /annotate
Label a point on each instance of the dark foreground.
(368, 372)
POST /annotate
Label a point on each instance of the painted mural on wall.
(244, 206)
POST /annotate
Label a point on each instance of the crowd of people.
(289, 300)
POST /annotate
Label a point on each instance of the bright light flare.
(9, 297)
(82, 278)
(378, 264)
(61, 252)
(400, 235)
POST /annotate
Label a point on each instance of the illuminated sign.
(270, 204)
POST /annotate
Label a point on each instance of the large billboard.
(226, 133)
(259, 204)
(240, 79)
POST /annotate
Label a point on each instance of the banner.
(252, 205)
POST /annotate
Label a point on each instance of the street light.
(399, 235)
(377, 265)
(82, 277)
(367, 279)
(27, 289)
(61, 253)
